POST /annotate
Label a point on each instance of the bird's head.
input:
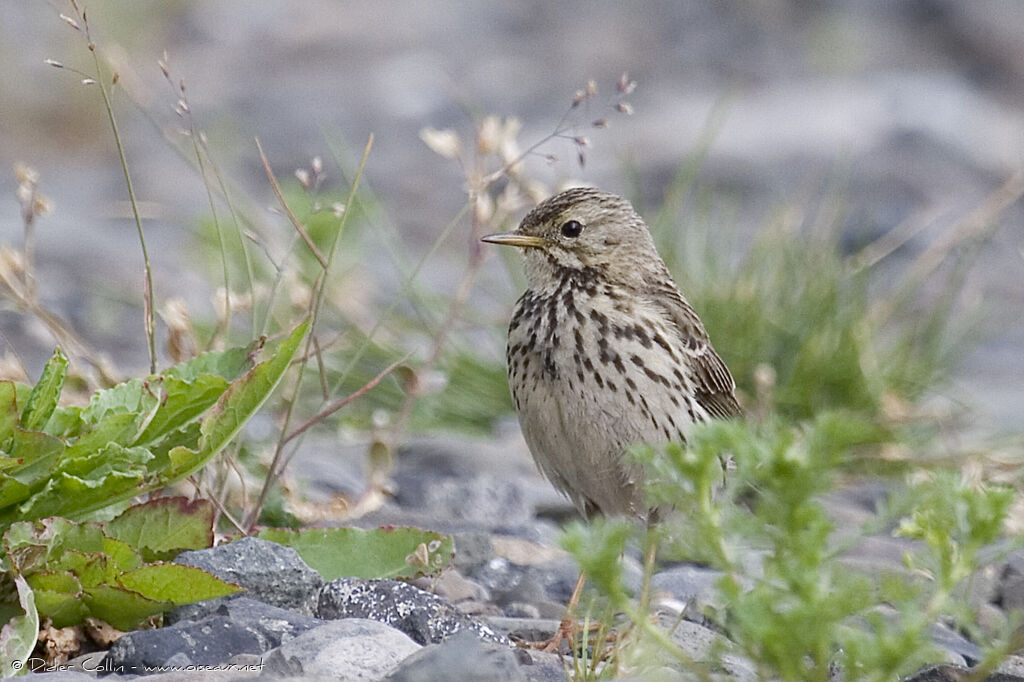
(588, 231)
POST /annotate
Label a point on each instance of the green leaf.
(39, 453)
(375, 553)
(186, 437)
(73, 496)
(12, 490)
(175, 583)
(18, 636)
(77, 496)
(123, 555)
(182, 402)
(111, 458)
(132, 397)
(120, 428)
(40, 545)
(58, 597)
(42, 401)
(91, 569)
(58, 581)
(8, 409)
(227, 364)
(65, 422)
(122, 607)
(165, 526)
(242, 399)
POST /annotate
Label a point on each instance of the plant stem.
(150, 310)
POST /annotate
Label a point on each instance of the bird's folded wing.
(714, 387)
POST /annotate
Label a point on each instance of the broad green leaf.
(59, 581)
(228, 364)
(165, 526)
(39, 453)
(123, 555)
(65, 422)
(8, 410)
(62, 608)
(120, 428)
(12, 490)
(38, 545)
(374, 553)
(42, 401)
(182, 402)
(91, 569)
(132, 397)
(242, 399)
(121, 607)
(18, 636)
(111, 458)
(75, 497)
(187, 437)
(58, 597)
(175, 583)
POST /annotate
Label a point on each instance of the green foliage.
(18, 636)
(100, 569)
(163, 527)
(800, 611)
(829, 332)
(473, 391)
(133, 438)
(375, 553)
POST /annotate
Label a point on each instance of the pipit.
(604, 352)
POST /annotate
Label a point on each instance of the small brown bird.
(603, 350)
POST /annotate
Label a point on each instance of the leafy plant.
(797, 611)
(112, 571)
(136, 437)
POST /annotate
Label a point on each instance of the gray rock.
(277, 624)
(88, 663)
(268, 571)
(1011, 586)
(475, 501)
(705, 646)
(540, 666)
(509, 582)
(453, 586)
(472, 550)
(347, 649)
(463, 657)
(951, 641)
(524, 629)
(425, 617)
(947, 672)
(942, 672)
(239, 626)
(686, 582)
(1013, 665)
(208, 642)
(518, 609)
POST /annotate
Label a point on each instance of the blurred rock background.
(906, 109)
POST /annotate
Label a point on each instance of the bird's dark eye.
(572, 229)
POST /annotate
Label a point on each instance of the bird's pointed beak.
(514, 239)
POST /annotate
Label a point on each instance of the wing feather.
(714, 386)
